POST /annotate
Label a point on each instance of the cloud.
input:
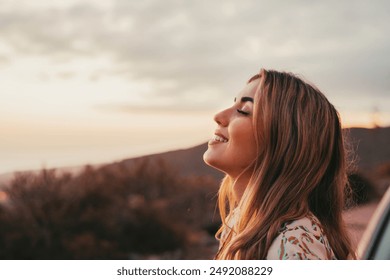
(199, 52)
(156, 109)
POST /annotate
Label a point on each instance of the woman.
(281, 147)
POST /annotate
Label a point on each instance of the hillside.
(371, 148)
(185, 162)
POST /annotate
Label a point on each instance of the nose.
(222, 118)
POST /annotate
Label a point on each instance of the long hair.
(300, 168)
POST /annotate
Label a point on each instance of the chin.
(213, 161)
(207, 159)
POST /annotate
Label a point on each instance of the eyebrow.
(245, 99)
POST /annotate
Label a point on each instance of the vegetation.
(113, 212)
(119, 211)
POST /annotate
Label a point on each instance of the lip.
(218, 133)
(213, 141)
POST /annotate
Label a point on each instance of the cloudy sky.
(96, 81)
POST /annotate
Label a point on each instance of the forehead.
(250, 89)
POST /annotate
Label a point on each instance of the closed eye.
(243, 112)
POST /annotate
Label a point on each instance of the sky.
(85, 81)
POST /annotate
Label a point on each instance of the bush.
(91, 216)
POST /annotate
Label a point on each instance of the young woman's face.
(233, 147)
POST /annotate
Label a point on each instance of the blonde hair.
(300, 168)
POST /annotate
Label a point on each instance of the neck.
(240, 184)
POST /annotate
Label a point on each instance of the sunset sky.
(98, 81)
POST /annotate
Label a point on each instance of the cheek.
(236, 155)
(243, 142)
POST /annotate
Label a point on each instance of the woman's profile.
(281, 147)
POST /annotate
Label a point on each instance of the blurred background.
(94, 94)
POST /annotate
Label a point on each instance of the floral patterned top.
(301, 239)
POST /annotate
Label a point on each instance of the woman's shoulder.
(301, 239)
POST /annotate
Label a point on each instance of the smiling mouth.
(218, 139)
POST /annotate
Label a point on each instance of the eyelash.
(242, 112)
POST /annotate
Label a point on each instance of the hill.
(186, 162)
(371, 148)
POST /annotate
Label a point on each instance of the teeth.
(220, 139)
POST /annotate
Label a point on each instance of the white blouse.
(302, 239)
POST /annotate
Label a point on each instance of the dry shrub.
(113, 212)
